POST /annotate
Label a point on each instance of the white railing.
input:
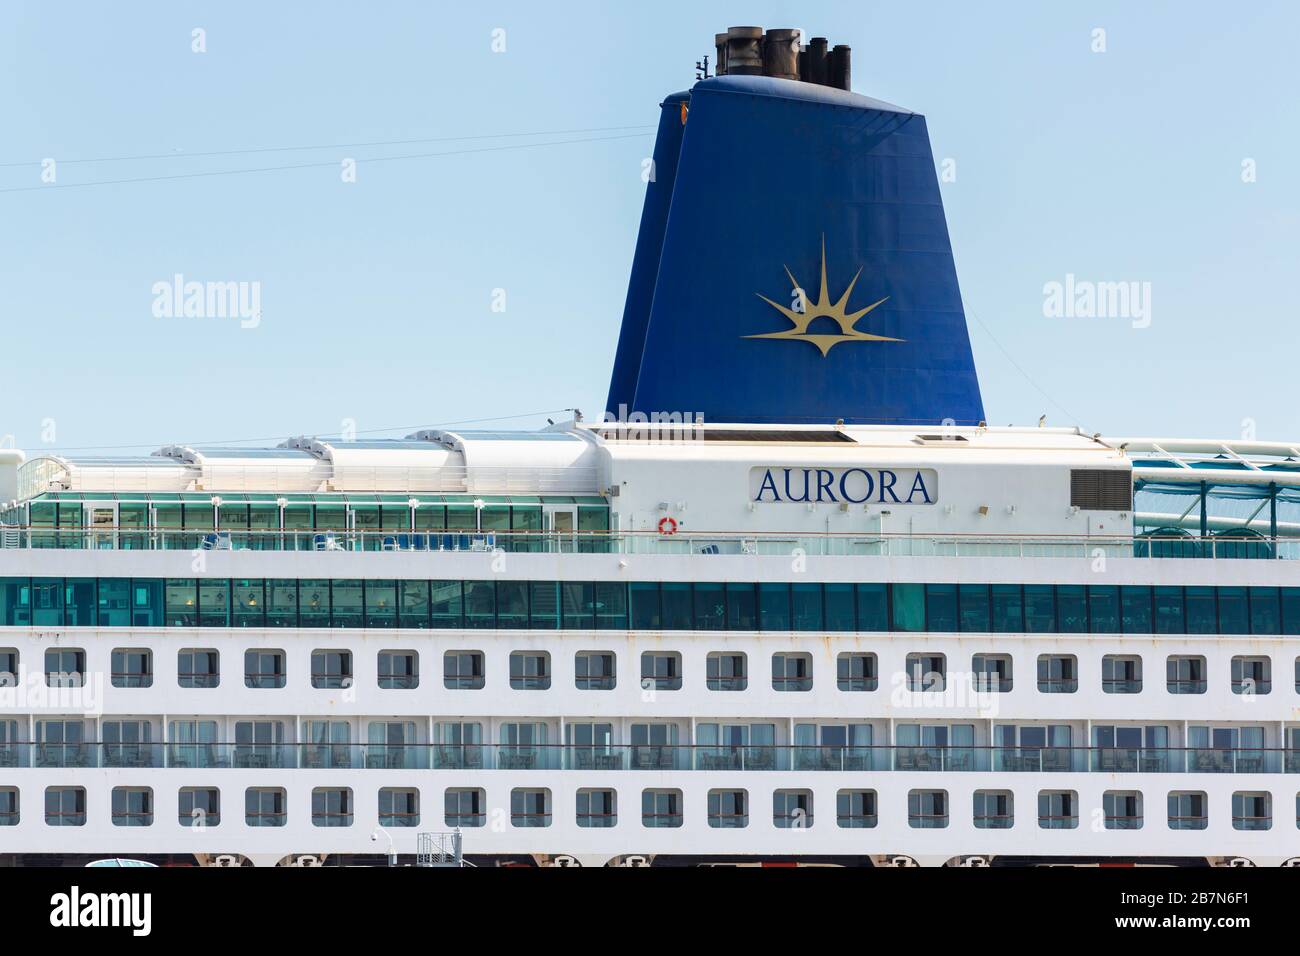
(837, 544)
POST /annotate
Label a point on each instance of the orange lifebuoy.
(667, 525)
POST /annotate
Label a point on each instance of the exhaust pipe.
(747, 51)
(781, 54)
(744, 54)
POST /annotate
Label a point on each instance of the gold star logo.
(822, 308)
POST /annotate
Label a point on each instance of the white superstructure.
(682, 643)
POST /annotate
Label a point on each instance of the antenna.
(702, 69)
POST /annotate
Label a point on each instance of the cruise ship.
(790, 599)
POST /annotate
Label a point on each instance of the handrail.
(652, 757)
(814, 543)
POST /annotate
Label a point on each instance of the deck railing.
(829, 544)
(700, 757)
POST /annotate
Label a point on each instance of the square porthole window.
(726, 671)
(856, 672)
(132, 667)
(855, 809)
(530, 670)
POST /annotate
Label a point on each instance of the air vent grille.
(1101, 489)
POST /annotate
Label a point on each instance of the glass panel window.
(1185, 675)
(578, 605)
(1122, 809)
(1008, 605)
(132, 667)
(1103, 608)
(926, 672)
(331, 807)
(1252, 676)
(774, 607)
(792, 672)
(992, 810)
(1058, 673)
(530, 808)
(347, 603)
(992, 673)
(855, 809)
(1265, 611)
(199, 807)
(79, 602)
(1200, 606)
(973, 601)
(1187, 811)
(446, 604)
(597, 808)
(840, 608)
(282, 603)
(661, 670)
(1121, 675)
(728, 809)
(544, 605)
(214, 602)
(65, 806)
(65, 667)
(677, 605)
(594, 670)
(264, 807)
(399, 807)
(856, 672)
(463, 670)
(331, 668)
(264, 669)
(512, 604)
(132, 807)
(661, 808)
(399, 670)
(480, 604)
(1058, 809)
(1234, 610)
(413, 610)
(248, 602)
(1071, 608)
(1040, 608)
(873, 607)
(530, 670)
(927, 809)
(726, 671)
(941, 607)
(792, 809)
(314, 603)
(381, 604)
(1169, 611)
(47, 602)
(908, 606)
(710, 606)
(806, 607)
(644, 600)
(1252, 811)
(1136, 609)
(114, 604)
(464, 808)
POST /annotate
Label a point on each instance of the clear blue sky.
(376, 295)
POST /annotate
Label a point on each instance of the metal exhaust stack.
(744, 52)
(747, 51)
(781, 54)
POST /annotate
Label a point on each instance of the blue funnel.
(793, 265)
